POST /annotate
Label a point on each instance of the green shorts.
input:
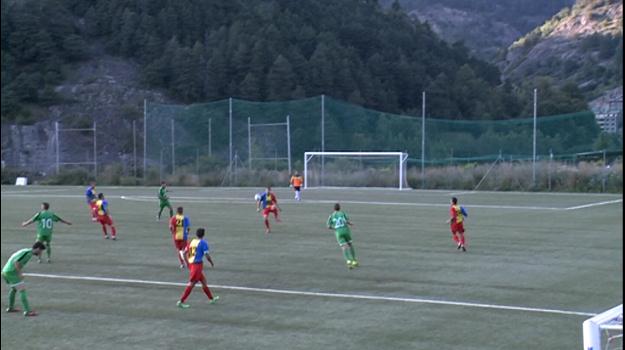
(42, 239)
(164, 204)
(12, 279)
(343, 236)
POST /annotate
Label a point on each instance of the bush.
(77, 176)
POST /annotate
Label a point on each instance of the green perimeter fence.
(254, 134)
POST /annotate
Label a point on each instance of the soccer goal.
(604, 331)
(355, 169)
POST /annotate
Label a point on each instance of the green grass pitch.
(524, 250)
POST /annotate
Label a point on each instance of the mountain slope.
(485, 27)
(582, 44)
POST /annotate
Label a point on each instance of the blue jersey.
(267, 198)
(196, 250)
(90, 194)
(102, 206)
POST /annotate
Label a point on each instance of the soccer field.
(537, 266)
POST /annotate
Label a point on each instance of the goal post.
(399, 157)
(602, 331)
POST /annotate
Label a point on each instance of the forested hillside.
(257, 50)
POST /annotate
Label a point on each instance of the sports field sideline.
(537, 265)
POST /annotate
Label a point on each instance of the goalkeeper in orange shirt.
(296, 183)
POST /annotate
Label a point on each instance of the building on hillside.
(608, 111)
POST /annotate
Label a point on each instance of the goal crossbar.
(401, 156)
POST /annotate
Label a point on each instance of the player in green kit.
(339, 222)
(12, 275)
(164, 201)
(45, 221)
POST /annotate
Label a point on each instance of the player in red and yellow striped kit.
(456, 219)
(179, 226)
(196, 250)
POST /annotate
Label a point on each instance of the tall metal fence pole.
(249, 143)
(323, 137)
(423, 140)
(56, 135)
(173, 150)
(145, 138)
(210, 135)
(230, 138)
(288, 139)
(95, 152)
(134, 149)
(534, 141)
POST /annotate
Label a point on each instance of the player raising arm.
(45, 221)
(12, 275)
(196, 250)
(340, 223)
(163, 199)
(91, 200)
(179, 226)
(104, 217)
(269, 203)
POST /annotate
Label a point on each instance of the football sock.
(346, 254)
(24, 300)
(104, 230)
(12, 293)
(461, 238)
(114, 231)
(207, 292)
(159, 213)
(49, 250)
(180, 258)
(267, 222)
(455, 238)
(171, 212)
(352, 251)
(186, 293)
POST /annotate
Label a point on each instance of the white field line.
(596, 204)
(321, 294)
(234, 200)
(245, 201)
(34, 191)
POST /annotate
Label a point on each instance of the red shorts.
(196, 274)
(457, 228)
(180, 244)
(270, 209)
(105, 220)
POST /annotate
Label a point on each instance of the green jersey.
(338, 221)
(45, 221)
(162, 194)
(22, 256)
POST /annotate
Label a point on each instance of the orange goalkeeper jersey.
(297, 181)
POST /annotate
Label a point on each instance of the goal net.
(355, 169)
(604, 331)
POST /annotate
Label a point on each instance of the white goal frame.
(401, 156)
(592, 327)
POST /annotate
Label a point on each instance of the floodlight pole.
(534, 142)
(288, 139)
(423, 140)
